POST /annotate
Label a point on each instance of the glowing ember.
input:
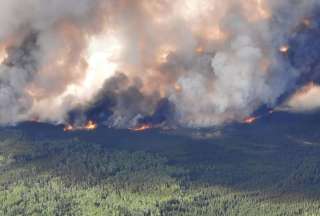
(250, 120)
(284, 49)
(68, 128)
(142, 127)
(90, 125)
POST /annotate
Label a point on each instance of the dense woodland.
(245, 170)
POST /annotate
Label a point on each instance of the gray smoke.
(199, 63)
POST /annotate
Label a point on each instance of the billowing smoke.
(305, 99)
(128, 62)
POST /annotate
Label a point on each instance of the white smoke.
(216, 61)
(306, 99)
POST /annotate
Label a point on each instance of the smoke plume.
(128, 62)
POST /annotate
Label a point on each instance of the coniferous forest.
(264, 169)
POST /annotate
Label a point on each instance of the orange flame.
(250, 120)
(89, 126)
(142, 127)
(68, 128)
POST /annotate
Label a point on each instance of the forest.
(267, 168)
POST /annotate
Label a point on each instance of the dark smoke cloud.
(15, 74)
(121, 103)
(304, 49)
(122, 63)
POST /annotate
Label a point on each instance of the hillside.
(271, 167)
